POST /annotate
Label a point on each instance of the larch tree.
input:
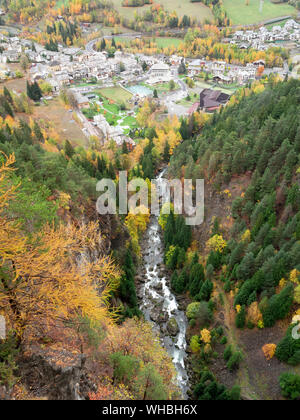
(50, 276)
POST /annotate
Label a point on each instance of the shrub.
(192, 323)
(220, 331)
(278, 306)
(227, 353)
(201, 312)
(234, 361)
(241, 318)
(208, 389)
(297, 295)
(288, 350)
(8, 355)
(250, 325)
(290, 385)
(235, 393)
(223, 340)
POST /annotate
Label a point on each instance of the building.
(220, 78)
(159, 72)
(110, 132)
(82, 101)
(211, 100)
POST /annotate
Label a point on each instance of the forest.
(71, 281)
(255, 261)
(49, 302)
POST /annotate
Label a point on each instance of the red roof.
(194, 108)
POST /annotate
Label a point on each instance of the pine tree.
(241, 318)
(166, 154)
(169, 230)
(69, 150)
(196, 279)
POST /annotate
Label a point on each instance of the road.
(88, 128)
(171, 98)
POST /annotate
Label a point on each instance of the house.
(196, 66)
(54, 84)
(159, 72)
(220, 78)
(218, 66)
(211, 100)
(110, 132)
(259, 63)
(82, 101)
(55, 65)
(10, 56)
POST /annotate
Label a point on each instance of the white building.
(159, 73)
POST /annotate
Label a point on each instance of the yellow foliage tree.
(135, 337)
(238, 309)
(294, 276)
(254, 314)
(269, 351)
(50, 277)
(205, 336)
(195, 344)
(136, 225)
(216, 243)
(246, 236)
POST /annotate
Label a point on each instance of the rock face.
(172, 327)
(55, 374)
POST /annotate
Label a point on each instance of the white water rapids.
(158, 303)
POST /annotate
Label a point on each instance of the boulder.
(172, 327)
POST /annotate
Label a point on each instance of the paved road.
(171, 98)
(88, 128)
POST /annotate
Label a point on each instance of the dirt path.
(227, 316)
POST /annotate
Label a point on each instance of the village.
(107, 89)
(263, 38)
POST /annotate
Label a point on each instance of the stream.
(159, 304)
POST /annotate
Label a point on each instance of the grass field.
(168, 42)
(203, 85)
(61, 3)
(182, 7)
(239, 13)
(162, 42)
(117, 94)
(161, 88)
(113, 113)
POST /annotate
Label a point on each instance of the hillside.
(108, 291)
(241, 13)
(249, 243)
(67, 290)
(182, 7)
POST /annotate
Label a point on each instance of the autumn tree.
(41, 278)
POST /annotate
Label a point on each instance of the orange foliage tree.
(269, 351)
